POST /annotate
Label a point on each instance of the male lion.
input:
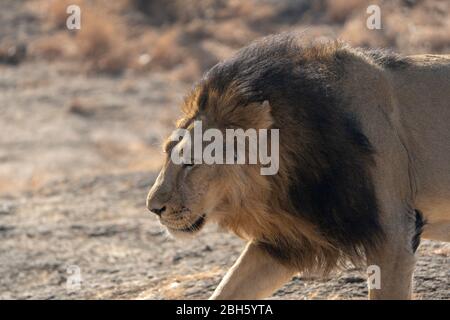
(364, 150)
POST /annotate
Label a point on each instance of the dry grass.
(355, 32)
(55, 46)
(432, 39)
(166, 50)
(102, 43)
(184, 38)
(339, 11)
(57, 11)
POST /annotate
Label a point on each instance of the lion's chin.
(193, 228)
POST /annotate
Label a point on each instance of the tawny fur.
(363, 146)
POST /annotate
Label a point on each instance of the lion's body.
(424, 105)
(406, 117)
(364, 162)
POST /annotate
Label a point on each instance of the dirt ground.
(78, 153)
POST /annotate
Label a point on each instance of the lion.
(364, 163)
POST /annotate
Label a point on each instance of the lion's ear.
(255, 115)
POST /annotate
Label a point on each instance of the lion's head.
(191, 191)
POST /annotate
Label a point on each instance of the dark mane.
(322, 147)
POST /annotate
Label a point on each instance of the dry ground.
(79, 149)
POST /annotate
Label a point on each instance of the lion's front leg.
(254, 275)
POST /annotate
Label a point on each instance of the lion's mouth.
(197, 225)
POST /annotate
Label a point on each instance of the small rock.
(14, 54)
(353, 279)
(6, 208)
(177, 257)
(81, 109)
(6, 228)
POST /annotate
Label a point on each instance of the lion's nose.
(159, 211)
(155, 206)
(159, 195)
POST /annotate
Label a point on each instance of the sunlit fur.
(320, 210)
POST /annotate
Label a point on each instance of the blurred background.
(82, 117)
